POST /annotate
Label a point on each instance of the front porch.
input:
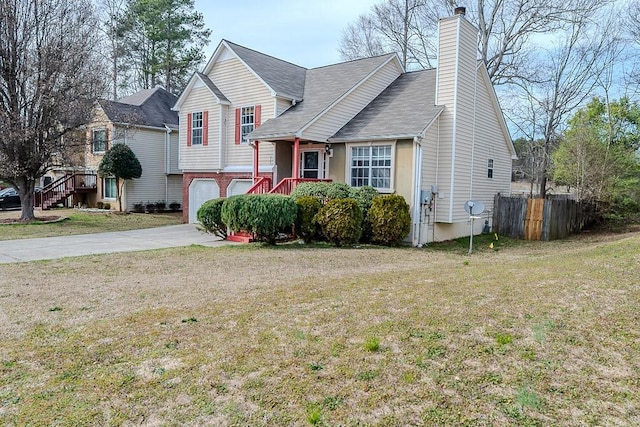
(296, 162)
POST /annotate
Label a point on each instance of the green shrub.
(99, 205)
(390, 219)
(264, 215)
(106, 206)
(306, 226)
(138, 207)
(209, 216)
(341, 221)
(364, 196)
(323, 191)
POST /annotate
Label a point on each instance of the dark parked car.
(9, 198)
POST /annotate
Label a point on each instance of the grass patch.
(87, 223)
(533, 334)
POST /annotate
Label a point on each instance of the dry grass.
(82, 222)
(533, 334)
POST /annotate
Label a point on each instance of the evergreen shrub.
(306, 226)
(323, 191)
(390, 219)
(265, 215)
(209, 216)
(341, 221)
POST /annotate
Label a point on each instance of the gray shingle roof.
(212, 87)
(285, 78)
(404, 109)
(323, 86)
(149, 107)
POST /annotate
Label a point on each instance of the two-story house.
(146, 123)
(254, 123)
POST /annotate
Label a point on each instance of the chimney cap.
(460, 11)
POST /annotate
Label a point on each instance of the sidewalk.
(103, 243)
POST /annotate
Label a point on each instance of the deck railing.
(63, 187)
(262, 185)
(287, 185)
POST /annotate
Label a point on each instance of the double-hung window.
(371, 165)
(99, 140)
(109, 190)
(196, 128)
(490, 168)
(247, 122)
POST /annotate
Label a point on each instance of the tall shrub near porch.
(120, 162)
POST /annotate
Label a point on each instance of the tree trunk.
(26, 203)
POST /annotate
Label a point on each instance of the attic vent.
(460, 11)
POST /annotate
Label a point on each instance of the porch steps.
(240, 237)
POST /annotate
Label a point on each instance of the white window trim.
(104, 187)
(93, 139)
(347, 173)
(491, 168)
(193, 128)
(243, 140)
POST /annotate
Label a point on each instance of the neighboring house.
(437, 137)
(145, 122)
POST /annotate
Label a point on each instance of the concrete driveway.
(101, 243)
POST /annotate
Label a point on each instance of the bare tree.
(112, 17)
(568, 72)
(404, 26)
(50, 73)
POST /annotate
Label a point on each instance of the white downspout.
(167, 163)
(417, 204)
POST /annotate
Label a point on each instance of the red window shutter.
(205, 128)
(238, 118)
(189, 130)
(256, 118)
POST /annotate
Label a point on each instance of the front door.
(312, 164)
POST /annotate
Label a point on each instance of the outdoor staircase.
(62, 188)
(262, 185)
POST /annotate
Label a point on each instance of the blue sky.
(305, 33)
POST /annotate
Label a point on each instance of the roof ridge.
(264, 54)
(353, 60)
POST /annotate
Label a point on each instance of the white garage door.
(200, 191)
(239, 186)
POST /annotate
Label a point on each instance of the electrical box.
(425, 197)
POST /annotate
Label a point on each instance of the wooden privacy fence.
(540, 219)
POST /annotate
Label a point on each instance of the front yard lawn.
(532, 334)
(78, 222)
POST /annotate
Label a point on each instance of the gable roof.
(405, 109)
(283, 78)
(148, 107)
(323, 87)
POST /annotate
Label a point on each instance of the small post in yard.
(474, 209)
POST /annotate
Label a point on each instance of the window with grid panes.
(196, 128)
(247, 121)
(490, 168)
(371, 165)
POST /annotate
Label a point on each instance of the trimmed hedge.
(264, 215)
(323, 191)
(306, 226)
(390, 219)
(209, 215)
(341, 221)
(364, 196)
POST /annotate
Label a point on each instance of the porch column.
(256, 160)
(296, 159)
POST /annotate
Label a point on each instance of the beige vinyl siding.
(403, 170)
(199, 157)
(456, 56)
(331, 122)
(174, 189)
(491, 143)
(243, 89)
(174, 149)
(282, 105)
(149, 147)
